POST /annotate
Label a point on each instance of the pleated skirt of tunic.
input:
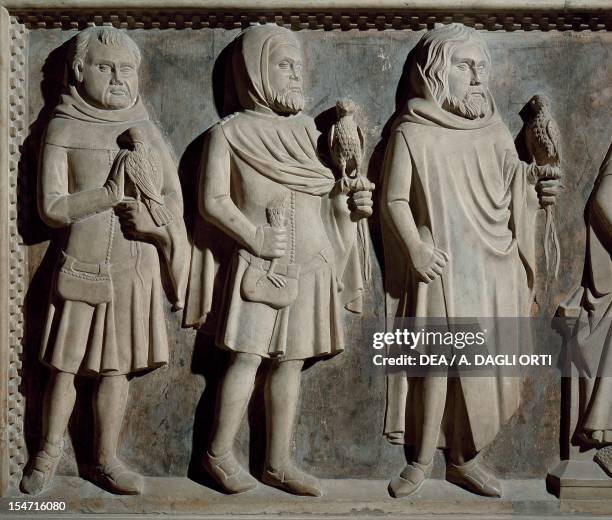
(309, 327)
(123, 336)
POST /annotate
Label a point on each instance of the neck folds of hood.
(73, 106)
(250, 62)
(424, 109)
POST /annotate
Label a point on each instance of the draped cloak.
(470, 197)
(126, 334)
(268, 157)
(592, 335)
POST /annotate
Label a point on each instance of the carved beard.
(471, 106)
(288, 101)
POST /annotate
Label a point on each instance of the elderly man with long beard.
(293, 261)
(458, 224)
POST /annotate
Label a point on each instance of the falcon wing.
(529, 138)
(554, 137)
(137, 167)
(361, 141)
(331, 140)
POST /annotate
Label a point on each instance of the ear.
(77, 68)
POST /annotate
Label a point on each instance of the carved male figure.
(592, 335)
(458, 228)
(106, 317)
(294, 262)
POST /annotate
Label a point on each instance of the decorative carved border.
(363, 15)
(491, 21)
(15, 444)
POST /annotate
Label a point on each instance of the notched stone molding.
(490, 21)
(17, 283)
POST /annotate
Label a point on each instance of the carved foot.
(410, 479)
(117, 478)
(292, 480)
(474, 477)
(41, 470)
(228, 473)
(603, 457)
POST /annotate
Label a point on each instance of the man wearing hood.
(293, 260)
(458, 225)
(106, 313)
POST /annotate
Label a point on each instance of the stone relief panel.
(294, 265)
(108, 184)
(187, 85)
(457, 209)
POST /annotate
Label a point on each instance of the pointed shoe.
(410, 479)
(292, 480)
(117, 478)
(474, 477)
(228, 473)
(41, 470)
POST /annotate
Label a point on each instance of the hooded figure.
(277, 256)
(458, 209)
(106, 313)
(592, 335)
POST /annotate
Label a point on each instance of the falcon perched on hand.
(543, 141)
(542, 134)
(346, 145)
(346, 141)
(142, 171)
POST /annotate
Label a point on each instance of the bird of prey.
(346, 143)
(142, 171)
(543, 141)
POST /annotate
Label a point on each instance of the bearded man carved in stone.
(106, 316)
(293, 262)
(459, 238)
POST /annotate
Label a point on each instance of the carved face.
(108, 77)
(468, 77)
(285, 79)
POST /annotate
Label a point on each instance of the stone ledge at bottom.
(344, 498)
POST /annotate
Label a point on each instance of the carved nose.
(116, 78)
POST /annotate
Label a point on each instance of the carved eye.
(284, 65)
(481, 69)
(103, 67)
(127, 69)
(463, 66)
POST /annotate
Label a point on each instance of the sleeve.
(602, 201)
(57, 207)
(175, 245)
(214, 194)
(397, 187)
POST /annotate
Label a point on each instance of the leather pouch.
(256, 286)
(84, 282)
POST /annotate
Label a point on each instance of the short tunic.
(126, 334)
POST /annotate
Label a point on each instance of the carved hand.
(429, 262)
(273, 241)
(137, 223)
(549, 185)
(115, 184)
(361, 203)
